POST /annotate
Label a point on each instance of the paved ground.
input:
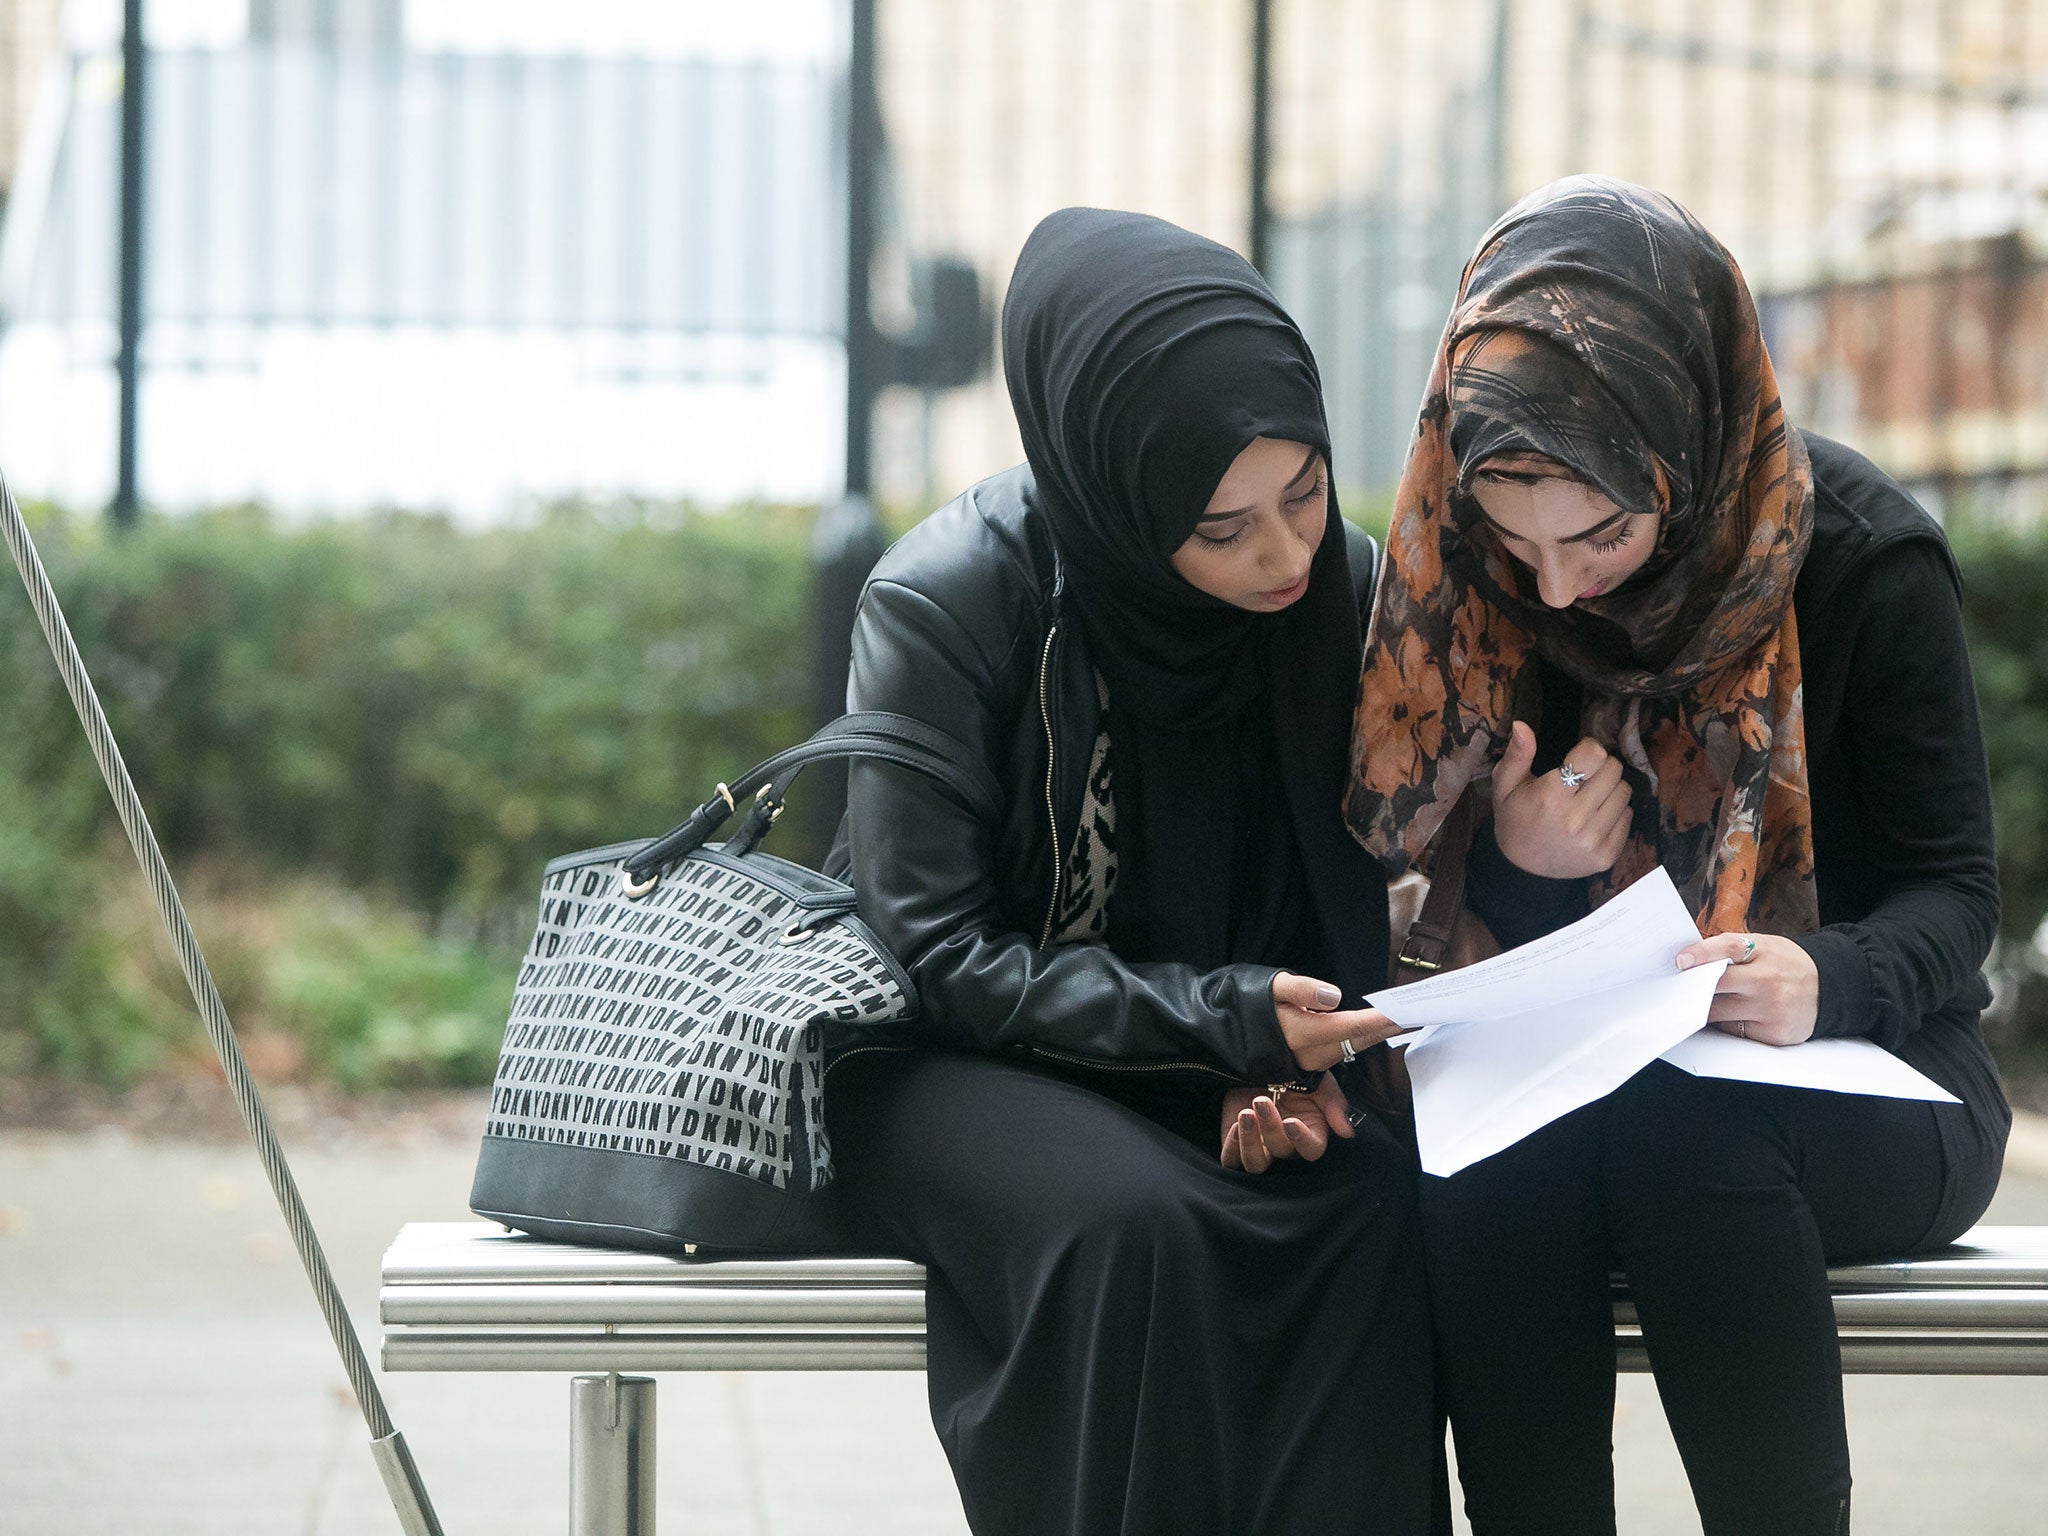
(163, 1370)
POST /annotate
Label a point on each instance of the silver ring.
(1345, 1050)
(1748, 951)
(1742, 1028)
(1570, 777)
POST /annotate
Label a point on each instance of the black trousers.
(1723, 1202)
(1126, 1337)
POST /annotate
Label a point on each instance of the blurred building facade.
(452, 253)
(28, 46)
(438, 254)
(1879, 167)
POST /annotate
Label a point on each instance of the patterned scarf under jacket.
(1599, 325)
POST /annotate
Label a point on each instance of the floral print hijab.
(1600, 326)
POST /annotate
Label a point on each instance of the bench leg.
(611, 1455)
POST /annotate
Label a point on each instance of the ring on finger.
(1748, 950)
(1346, 1049)
(1570, 777)
(1742, 1028)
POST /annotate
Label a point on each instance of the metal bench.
(469, 1296)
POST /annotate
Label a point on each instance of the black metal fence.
(294, 185)
(1880, 167)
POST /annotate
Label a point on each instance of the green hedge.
(359, 741)
(393, 706)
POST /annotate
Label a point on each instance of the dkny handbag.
(661, 1084)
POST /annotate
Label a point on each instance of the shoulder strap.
(877, 734)
(1429, 936)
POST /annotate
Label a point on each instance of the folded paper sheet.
(1480, 1087)
(1840, 1066)
(1504, 1047)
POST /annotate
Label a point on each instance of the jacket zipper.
(1126, 1066)
(1072, 1060)
(1157, 1066)
(1052, 906)
(858, 1050)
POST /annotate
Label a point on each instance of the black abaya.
(1125, 1337)
(1278, 1318)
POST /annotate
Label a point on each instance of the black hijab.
(1141, 360)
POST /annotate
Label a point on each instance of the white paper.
(1837, 1066)
(1500, 1049)
(1485, 1085)
(1504, 1047)
(1634, 937)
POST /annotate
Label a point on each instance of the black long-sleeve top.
(1903, 858)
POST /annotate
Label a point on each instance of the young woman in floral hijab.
(1675, 631)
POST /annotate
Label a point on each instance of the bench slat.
(478, 1252)
(1864, 1352)
(467, 1296)
(750, 1349)
(1906, 1353)
(1946, 1307)
(2010, 1258)
(473, 1253)
(652, 1303)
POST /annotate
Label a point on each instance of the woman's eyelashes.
(1294, 504)
(1608, 546)
(1310, 497)
(1621, 536)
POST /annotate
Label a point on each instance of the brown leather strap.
(1429, 937)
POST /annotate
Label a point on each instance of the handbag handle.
(867, 733)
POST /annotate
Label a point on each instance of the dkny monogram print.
(688, 1023)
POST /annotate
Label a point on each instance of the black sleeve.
(925, 872)
(1515, 905)
(1910, 737)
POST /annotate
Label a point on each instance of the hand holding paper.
(1770, 991)
(1510, 1044)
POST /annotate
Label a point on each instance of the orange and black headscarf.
(1600, 326)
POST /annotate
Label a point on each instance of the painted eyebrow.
(1300, 475)
(1581, 537)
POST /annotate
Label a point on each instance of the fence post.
(1261, 132)
(1498, 192)
(134, 64)
(849, 538)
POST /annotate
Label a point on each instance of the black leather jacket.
(963, 625)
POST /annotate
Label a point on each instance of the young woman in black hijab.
(1149, 633)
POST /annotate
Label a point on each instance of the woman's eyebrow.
(1580, 537)
(1300, 475)
(1598, 528)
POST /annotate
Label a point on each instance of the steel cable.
(158, 876)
